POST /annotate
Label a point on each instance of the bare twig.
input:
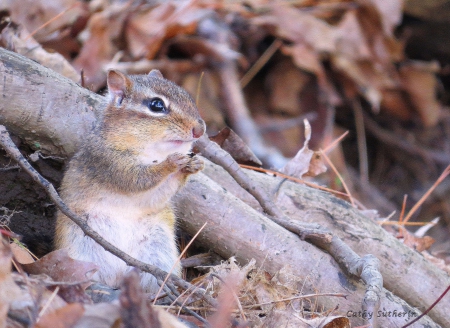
(429, 309)
(178, 259)
(339, 176)
(333, 144)
(295, 298)
(11, 149)
(52, 20)
(260, 62)
(425, 196)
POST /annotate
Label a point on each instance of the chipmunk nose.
(199, 129)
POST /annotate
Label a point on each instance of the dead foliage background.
(378, 69)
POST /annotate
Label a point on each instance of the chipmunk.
(124, 175)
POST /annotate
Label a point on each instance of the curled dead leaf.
(65, 317)
(306, 161)
(236, 147)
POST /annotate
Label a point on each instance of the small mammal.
(124, 175)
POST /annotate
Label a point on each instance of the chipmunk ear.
(155, 73)
(118, 86)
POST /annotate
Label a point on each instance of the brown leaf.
(316, 165)
(396, 103)
(418, 243)
(146, 30)
(350, 39)
(64, 317)
(33, 14)
(62, 268)
(420, 82)
(21, 255)
(235, 146)
(9, 291)
(136, 311)
(369, 81)
(294, 25)
(104, 28)
(303, 163)
(101, 315)
(284, 100)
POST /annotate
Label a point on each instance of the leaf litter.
(350, 51)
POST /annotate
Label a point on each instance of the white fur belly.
(149, 239)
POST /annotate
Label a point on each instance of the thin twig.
(425, 196)
(390, 138)
(178, 260)
(428, 310)
(282, 175)
(330, 147)
(296, 298)
(401, 223)
(349, 195)
(197, 94)
(402, 213)
(51, 20)
(197, 285)
(260, 62)
(47, 304)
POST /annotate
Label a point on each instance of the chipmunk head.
(150, 116)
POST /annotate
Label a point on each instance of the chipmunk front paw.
(195, 164)
(180, 161)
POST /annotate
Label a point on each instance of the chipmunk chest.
(120, 207)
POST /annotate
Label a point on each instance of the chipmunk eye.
(156, 105)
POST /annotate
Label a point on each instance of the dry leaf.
(104, 28)
(396, 103)
(306, 161)
(391, 14)
(328, 322)
(418, 243)
(236, 147)
(316, 165)
(33, 14)
(62, 268)
(419, 80)
(136, 311)
(21, 255)
(283, 100)
(65, 317)
(147, 30)
(101, 315)
(9, 291)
